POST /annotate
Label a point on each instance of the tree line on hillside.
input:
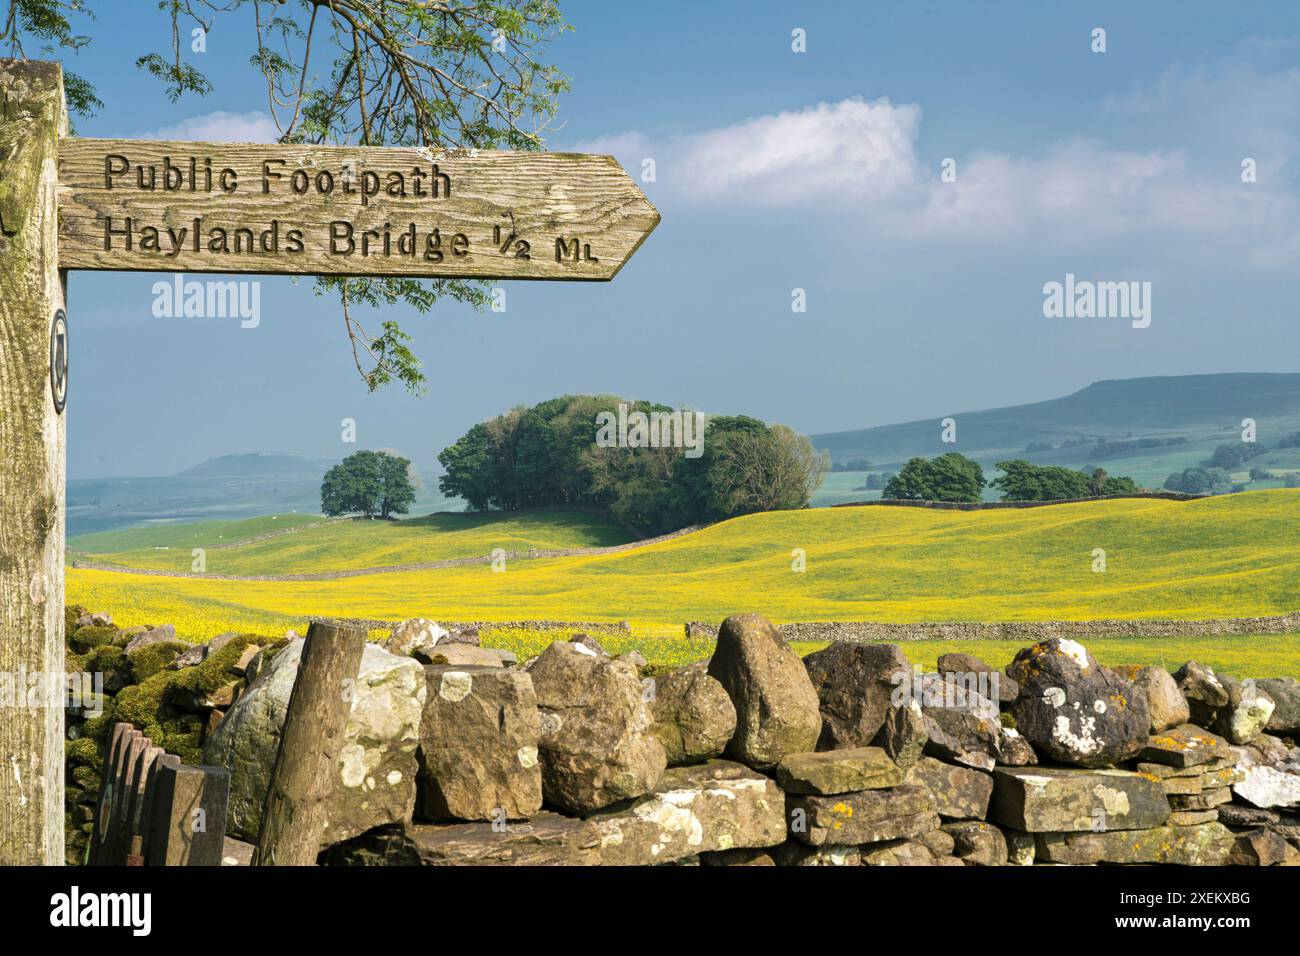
(566, 451)
(954, 477)
(1213, 476)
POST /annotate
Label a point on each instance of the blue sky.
(775, 171)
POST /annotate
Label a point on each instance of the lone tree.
(950, 477)
(456, 73)
(369, 483)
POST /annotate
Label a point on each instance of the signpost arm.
(32, 464)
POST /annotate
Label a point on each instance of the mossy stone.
(153, 658)
(70, 614)
(125, 634)
(152, 704)
(84, 752)
(106, 657)
(86, 778)
(93, 635)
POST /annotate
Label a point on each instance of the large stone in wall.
(1204, 691)
(719, 805)
(478, 745)
(962, 725)
(977, 843)
(871, 816)
(374, 780)
(1285, 692)
(838, 771)
(694, 718)
(1016, 751)
(794, 853)
(1206, 844)
(854, 683)
(1265, 786)
(1260, 847)
(1248, 710)
(412, 635)
(777, 709)
(595, 741)
(1062, 799)
(985, 679)
(1165, 702)
(1184, 747)
(1074, 710)
(904, 735)
(960, 793)
(547, 839)
(707, 808)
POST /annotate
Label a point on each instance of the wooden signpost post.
(68, 203)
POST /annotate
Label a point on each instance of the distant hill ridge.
(259, 463)
(1194, 406)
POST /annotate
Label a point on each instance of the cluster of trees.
(954, 477)
(369, 483)
(548, 455)
(854, 464)
(1022, 481)
(1230, 457)
(950, 477)
(1201, 481)
(876, 481)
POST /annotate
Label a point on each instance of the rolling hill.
(1234, 555)
(226, 488)
(313, 545)
(1198, 411)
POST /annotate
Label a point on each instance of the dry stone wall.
(460, 755)
(1016, 630)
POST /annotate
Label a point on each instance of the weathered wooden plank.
(32, 463)
(137, 796)
(337, 210)
(105, 805)
(188, 816)
(151, 805)
(116, 841)
(306, 763)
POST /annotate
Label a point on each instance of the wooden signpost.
(334, 210)
(69, 203)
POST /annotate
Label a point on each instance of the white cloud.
(1078, 185)
(221, 127)
(847, 149)
(850, 148)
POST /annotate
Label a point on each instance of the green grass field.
(1232, 556)
(345, 545)
(192, 534)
